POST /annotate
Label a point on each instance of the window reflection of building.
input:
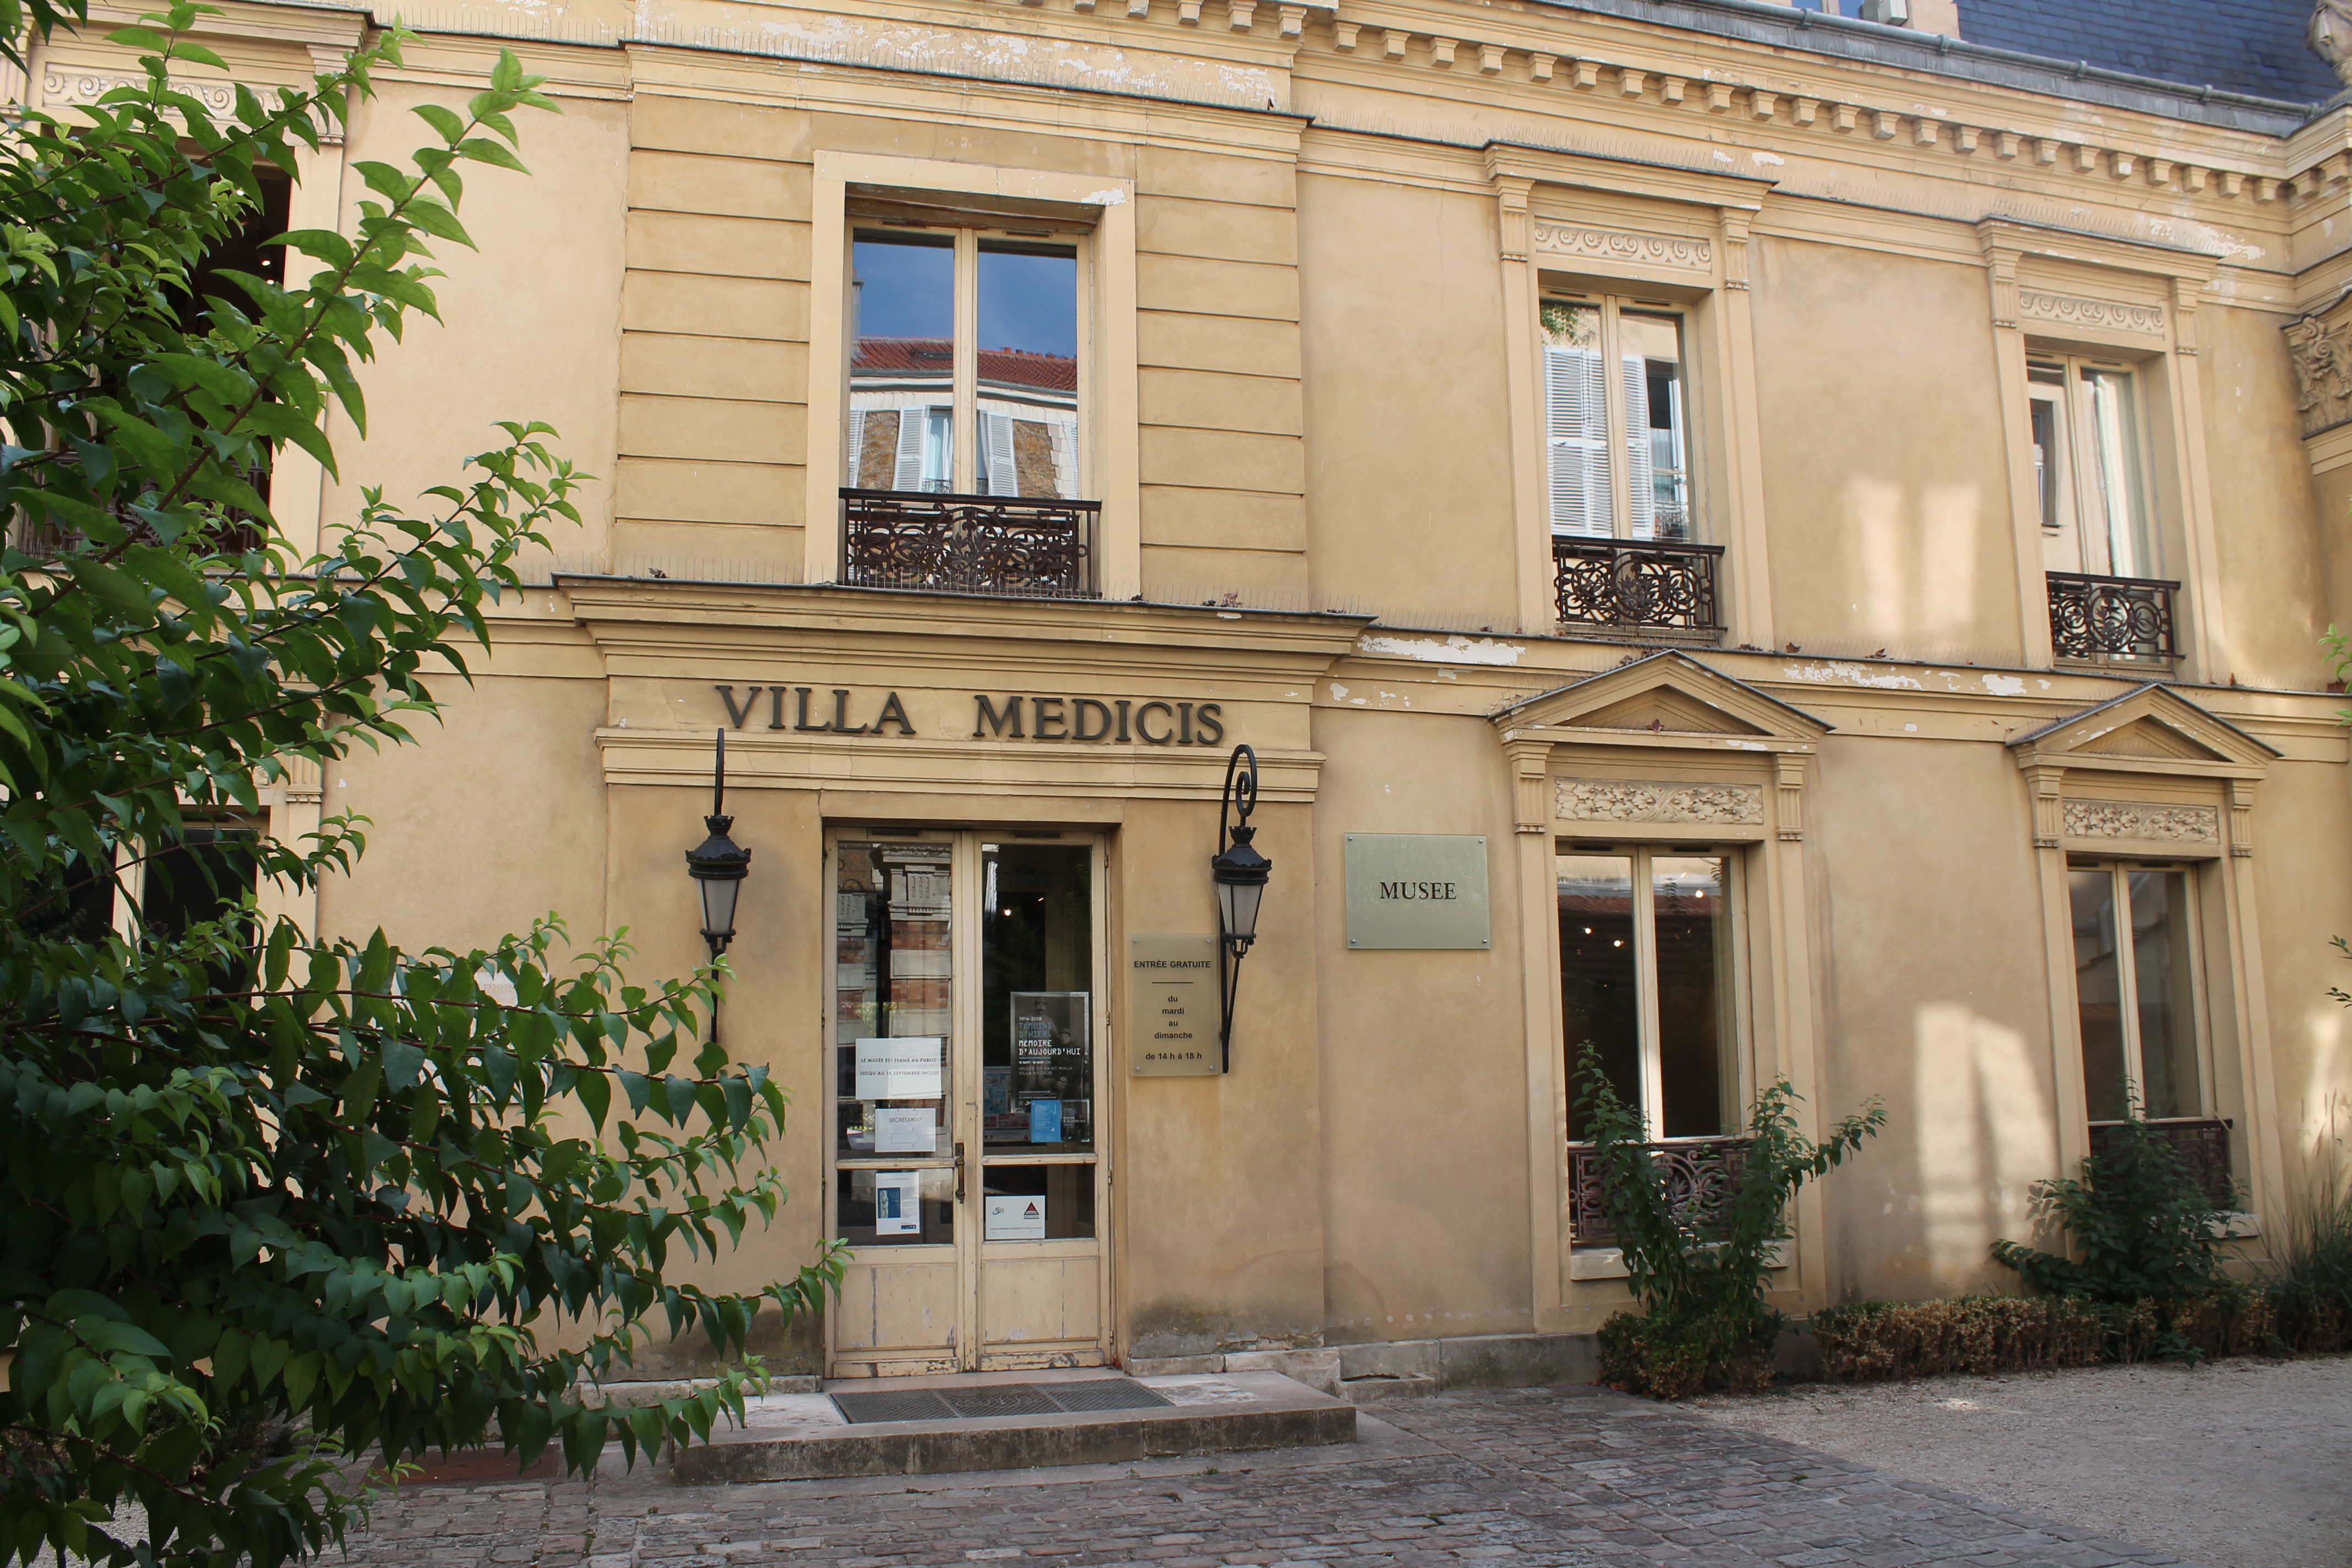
(921, 377)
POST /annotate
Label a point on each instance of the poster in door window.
(1016, 1216)
(1052, 1065)
(897, 1203)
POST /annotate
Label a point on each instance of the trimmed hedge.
(1872, 1342)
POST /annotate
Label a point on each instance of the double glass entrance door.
(969, 1161)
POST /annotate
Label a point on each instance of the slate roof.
(2253, 46)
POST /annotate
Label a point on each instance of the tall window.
(2090, 468)
(963, 378)
(1645, 974)
(1619, 442)
(202, 875)
(2136, 987)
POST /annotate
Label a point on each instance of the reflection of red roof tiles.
(1002, 367)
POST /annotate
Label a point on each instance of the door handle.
(959, 1197)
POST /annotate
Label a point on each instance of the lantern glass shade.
(1240, 874)
(718, 903)
(1238, 902)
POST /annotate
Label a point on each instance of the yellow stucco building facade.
(1800, 542)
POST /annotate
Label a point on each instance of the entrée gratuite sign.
(1016, 716)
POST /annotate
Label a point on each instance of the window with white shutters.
(1616, 446)
(1577, 416)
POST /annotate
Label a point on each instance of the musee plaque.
(1172, 998)
(1417, 890)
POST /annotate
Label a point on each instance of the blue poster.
(1045, 1121)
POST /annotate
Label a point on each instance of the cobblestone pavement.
(1525, 1476)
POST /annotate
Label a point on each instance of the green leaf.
(445, 122)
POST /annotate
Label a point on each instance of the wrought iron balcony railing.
(2111, 617)
(1702, 1174)
(2202, 1140)
(1635, 585)
(968, 544)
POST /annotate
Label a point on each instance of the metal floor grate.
(996, 1399)
(1103, 1393)
(897, 1405)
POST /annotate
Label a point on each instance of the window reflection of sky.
(905, 290)
(1026, 302)
(1029, 302)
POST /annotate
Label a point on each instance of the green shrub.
(2140, 1219)
(2309, 1282)
(1701, 1278)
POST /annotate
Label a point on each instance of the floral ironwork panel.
(2203, 1142)
(1635, 584)
(1701, 1174)
(2111, 617)
(968, 544)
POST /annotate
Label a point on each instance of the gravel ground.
(2242, 1463)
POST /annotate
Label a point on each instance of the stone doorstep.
(802, 1437)
(1385, 1385)
(1469, 1360)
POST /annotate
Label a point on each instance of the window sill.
(2231, 1225)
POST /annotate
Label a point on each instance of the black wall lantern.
(716, 865)
(1240, 872)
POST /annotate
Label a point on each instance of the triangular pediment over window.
(1667, 695)
(2147, 730)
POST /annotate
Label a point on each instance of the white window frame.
(2080, 487)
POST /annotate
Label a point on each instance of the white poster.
(897, 1203)
(898, 1131)
(902, 1069)
(1020, 1217)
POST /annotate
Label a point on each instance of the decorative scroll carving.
(1597, 800)
(1634, 583)
(1557, 238)
(68, 86)
(2330, 36)
(2242, 818)
(1701, 1176)
(2322, 353)
(2143, 820)
(968, 544)
(2114, 315)
(2111, 617)
(1789, 774)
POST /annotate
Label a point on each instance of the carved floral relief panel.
(2143, 821)
(1608, 800)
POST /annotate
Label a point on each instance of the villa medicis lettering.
(1013, 716)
